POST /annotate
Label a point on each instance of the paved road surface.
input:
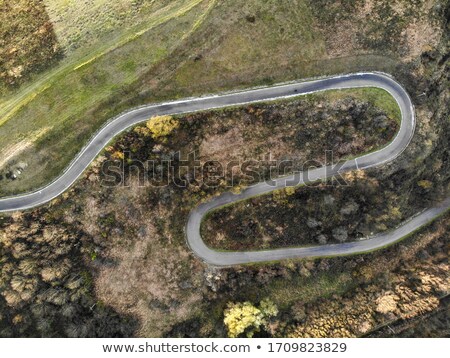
(128, 119)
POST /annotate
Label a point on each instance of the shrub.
(243, 317)
(162, 126)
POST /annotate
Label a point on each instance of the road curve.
(133, 117)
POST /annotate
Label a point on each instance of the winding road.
(386, 154)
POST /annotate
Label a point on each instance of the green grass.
(376, 96)
(382, 99)
(98, 46)
(81, 24)
(307, 289)
(236, 49)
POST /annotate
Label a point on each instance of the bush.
(243, 317)
(162, 126)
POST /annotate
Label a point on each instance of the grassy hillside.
(185, 48)
(82, 24)
(56, 111)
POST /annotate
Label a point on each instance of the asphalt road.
(128, 119)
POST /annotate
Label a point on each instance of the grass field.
(82, 24)
(174, 49)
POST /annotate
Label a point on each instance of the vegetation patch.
(46, 286)
(326, 213)
(161, 126)
(82, 24)
(27, 41)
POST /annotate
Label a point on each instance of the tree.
(243, 317)
(290, 190)
(425, 184)
(240, 317)
(162, 126)
(268, 308)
